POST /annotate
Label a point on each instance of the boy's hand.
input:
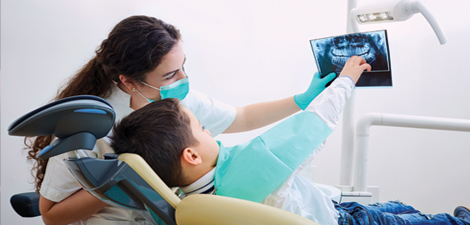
(354, 68)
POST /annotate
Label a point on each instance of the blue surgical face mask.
(178, 89)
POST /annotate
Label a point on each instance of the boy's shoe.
(462, 213)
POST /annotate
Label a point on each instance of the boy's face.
(207, 148)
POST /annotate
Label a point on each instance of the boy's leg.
(394, 207)
(356, 214)
(442, 218)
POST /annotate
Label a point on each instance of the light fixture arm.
(419, 6)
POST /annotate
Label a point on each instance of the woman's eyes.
(169, 77)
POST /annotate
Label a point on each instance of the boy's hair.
(158, 132)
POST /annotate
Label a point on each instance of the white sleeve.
(329, 104)
(58, 182)
(214, 115)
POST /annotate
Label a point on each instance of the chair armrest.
(26, 204)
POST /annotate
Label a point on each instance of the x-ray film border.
(383, 32)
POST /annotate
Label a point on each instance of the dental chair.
(126, 180)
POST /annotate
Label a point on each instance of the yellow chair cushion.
(200, 209)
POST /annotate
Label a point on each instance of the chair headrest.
(77, 119)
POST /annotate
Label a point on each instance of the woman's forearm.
(76, 207)
(258, 115)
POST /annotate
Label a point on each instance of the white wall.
(250, 51)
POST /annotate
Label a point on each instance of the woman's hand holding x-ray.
(317, 85)
(354, 67)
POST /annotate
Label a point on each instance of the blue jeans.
(394, 212)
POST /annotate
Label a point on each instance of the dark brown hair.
(158, 132)
(134, 47)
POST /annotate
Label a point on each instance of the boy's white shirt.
(297, 194)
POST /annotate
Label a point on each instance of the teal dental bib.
(253, 170)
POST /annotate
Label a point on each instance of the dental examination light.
(378, 11)
(396, 10)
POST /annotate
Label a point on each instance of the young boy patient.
(266, 169)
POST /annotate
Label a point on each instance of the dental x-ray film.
(331, 54)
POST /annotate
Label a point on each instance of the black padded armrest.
(26, 204)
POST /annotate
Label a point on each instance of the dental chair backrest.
(127, 180)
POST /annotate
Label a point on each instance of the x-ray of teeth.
(331, 54)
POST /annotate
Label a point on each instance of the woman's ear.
(191, 157)
(129, 83)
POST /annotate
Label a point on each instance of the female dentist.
(141, 61)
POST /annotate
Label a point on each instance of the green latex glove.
(316, 87)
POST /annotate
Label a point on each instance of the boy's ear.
(192, 157)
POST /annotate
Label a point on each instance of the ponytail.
(91, 80)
